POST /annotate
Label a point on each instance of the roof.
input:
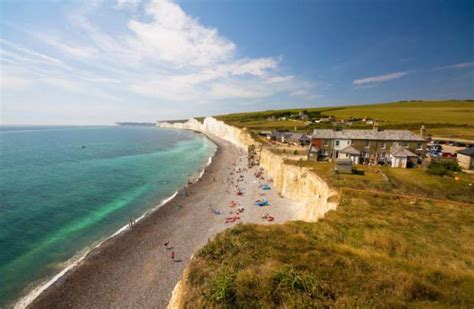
(467, 152)
(403, 152)
(388, 135)
(350, 150)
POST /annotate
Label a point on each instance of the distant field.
(454, 112)
(442, 118)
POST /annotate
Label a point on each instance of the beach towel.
(262, 203)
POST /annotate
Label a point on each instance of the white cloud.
(71, 50)
(166, 55)
(24, 53)
(175, 38)
(378, 78)
(127, 4)
(462, 65)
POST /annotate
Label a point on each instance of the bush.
(443, 167)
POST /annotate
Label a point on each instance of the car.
(448, 155)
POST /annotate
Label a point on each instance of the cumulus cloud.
(164, 54)
(378, 79)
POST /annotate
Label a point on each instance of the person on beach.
(166, 244)
(172, 255)
(133, 221)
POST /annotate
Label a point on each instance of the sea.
(63, 190)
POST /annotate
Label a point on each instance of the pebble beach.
(140, 267)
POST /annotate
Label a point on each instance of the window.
(367, 144)
(337, 142)
(383, 145)
(419, 146)
(351, 142)
(326, 143)
(404, 144)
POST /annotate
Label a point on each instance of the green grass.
(414, 182)
(442, 118)
(372, 251)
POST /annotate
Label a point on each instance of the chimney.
(422, 130)
(376, 126)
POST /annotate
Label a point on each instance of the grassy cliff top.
(372, 251)
(399, 238)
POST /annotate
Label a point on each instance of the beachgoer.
(166, 244)
(172, 255)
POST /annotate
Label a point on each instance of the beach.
(136, 270)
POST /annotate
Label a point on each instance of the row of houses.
(400, 148)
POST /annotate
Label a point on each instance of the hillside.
(403, 239)
(442, 118)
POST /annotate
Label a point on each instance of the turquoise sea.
(64, 189)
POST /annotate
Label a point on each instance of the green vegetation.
(373, 251)
(441, 118)
(443, 168)
(411, 182)
(400, 237)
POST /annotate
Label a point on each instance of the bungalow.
(401, 148)
(290, 138)
(465, 158)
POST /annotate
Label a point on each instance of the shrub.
(220, 287)
(443, 167)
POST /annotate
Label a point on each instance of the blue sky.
(97, 62)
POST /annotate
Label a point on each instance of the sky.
(98, 62)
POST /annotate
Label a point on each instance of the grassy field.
(442, 118)
(370, 252)
(399, 238)
(412, 182)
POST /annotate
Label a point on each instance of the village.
(362, 141)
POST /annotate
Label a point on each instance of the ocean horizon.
(64, 189)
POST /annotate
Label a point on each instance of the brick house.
(400, 148)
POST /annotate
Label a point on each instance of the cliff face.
(301, 185)
(312, 193)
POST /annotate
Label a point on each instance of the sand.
(135, 269)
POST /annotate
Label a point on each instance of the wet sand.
(135, 269)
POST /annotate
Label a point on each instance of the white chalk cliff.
(312, 193)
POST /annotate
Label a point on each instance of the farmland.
(453, 119)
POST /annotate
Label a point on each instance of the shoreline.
(136, 270)
(75, 261)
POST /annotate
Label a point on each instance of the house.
(325, 119)
(400, 148)
(303, 116)
(465, 158)
(297, 138)
(290, 137)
